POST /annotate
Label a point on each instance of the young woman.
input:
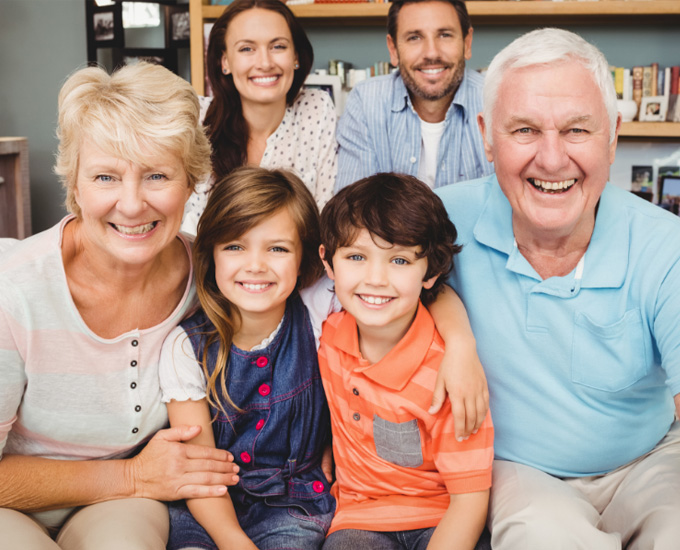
(258, 59)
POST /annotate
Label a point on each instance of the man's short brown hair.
(396, 5)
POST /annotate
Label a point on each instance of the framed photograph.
(653, 108)
(669, 193)
(177, 26)
(642, 178)
(331, 84)
(106, 26)
(159, 56)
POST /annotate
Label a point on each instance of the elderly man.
(573, 290)
(421, 119)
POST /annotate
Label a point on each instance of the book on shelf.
(653, 81)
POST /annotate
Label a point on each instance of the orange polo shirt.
(395, 463)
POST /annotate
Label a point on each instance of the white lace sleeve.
(181, 376)
(321, 301)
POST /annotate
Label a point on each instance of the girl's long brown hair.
(227, 129)
(238, 203)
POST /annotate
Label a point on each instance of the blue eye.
(400, 261)
(232, 247)
(104, 178)
(355, 257)
(279, 249)
(157, 177)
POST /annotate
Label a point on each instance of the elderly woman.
(84, 309)
(572, 289)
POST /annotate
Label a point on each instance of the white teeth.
(258, 286)
(265, 79)
(432, 71)
(552, 185)
(375, 300)
(136, 230)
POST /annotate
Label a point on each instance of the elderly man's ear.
(483, 130)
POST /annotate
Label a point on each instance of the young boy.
(403, 481)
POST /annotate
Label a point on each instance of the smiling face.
(430, 50)
(378, 283)
(551, 148)
(260, 56)
(259, 270)
(129, 213)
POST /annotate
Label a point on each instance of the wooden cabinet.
(483, 12)
(15, 201)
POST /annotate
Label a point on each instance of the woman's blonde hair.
(237, 203)
(139, 110)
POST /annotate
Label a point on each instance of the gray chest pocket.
(398, 442)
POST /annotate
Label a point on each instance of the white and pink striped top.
(66, 393)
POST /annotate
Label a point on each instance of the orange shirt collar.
(398, 366)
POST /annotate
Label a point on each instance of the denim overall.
(282, 499)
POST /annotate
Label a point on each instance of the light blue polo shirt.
(581, 371)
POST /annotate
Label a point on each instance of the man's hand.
(461, 376)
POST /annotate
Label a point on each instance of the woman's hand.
(461, 376)
(168, 469)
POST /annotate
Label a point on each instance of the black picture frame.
(165, 57)
(104, 27)
(177, 27)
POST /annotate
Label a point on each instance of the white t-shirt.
(431, 133)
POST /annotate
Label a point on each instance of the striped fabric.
(65, 392)
(380, 132)
(388, 477)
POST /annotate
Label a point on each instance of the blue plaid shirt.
(379, 131)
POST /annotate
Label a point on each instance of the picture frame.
(177, 26)
(330, 83)
(641, 178)
(105, 26)
(653, 109)
(166, 58)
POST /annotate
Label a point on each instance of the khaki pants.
(129, 524)
(636, 507)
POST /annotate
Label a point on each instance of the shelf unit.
(482, 12)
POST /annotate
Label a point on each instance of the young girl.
(245, 368)
(260, 114)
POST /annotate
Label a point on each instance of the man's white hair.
(549, 47)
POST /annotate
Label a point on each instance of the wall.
(41, 43)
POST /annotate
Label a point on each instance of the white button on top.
(413, 160)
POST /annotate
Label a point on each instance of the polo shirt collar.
(401, 99)
(398, 367)
(606, 262)
(605, 265)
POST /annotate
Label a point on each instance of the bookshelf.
(483, 12)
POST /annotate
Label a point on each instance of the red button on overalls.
(245, 457)
(260, 424)
(317, 486)
(262, 362)
(265, 390)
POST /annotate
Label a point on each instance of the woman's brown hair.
(237, 203)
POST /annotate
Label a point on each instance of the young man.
(419, 120)
(403, 481)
